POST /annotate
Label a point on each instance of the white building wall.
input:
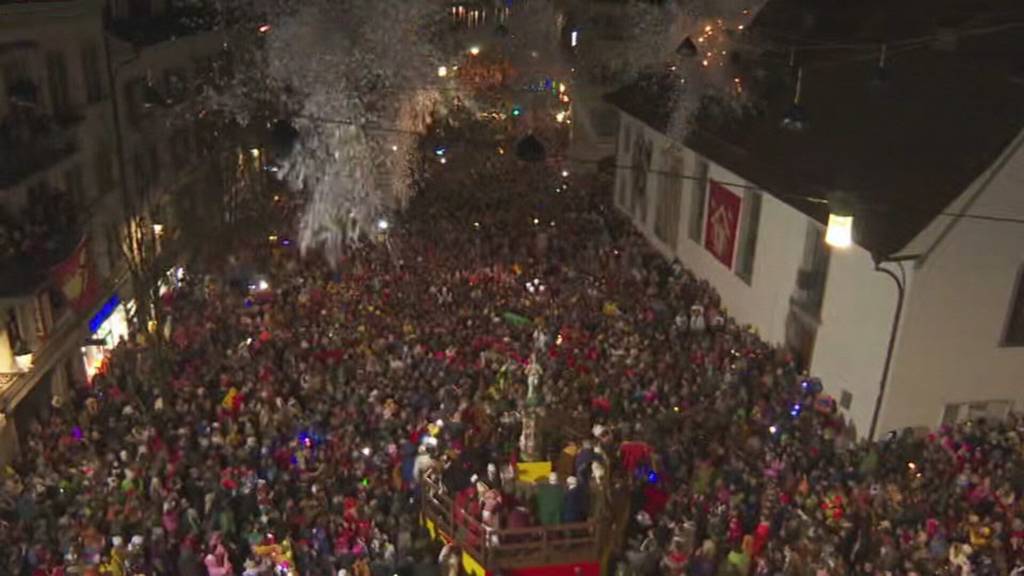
(857, 312)
(764, 303)
(950, 347)
(856, 321)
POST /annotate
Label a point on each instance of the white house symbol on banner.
(721, 230)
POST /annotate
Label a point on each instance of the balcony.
(31, 142)
(510, 549)
(32, 242)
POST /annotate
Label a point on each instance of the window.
(14, 334)
(39, 315)
(74, 183)
(748, 242)
(813, 273)
(181, 146)
(91, 73)
(154, 165)
(992, 410)
(175, 85)
(18, 83)
(132, 97)
(57, 72)
(104, 171)
(698, 197)
(620, 190)
(666, 219)
(142, 181)
(1015, 326)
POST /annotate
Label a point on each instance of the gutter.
(901, 290)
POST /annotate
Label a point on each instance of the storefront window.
(107, 327)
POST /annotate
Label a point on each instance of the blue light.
(652, 477)
(795, 411)
(440, 150)
(104, 313)
(517, 111)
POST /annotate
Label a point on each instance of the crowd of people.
(292, 430)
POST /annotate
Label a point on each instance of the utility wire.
(373, 127)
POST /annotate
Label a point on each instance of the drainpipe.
(901, 286)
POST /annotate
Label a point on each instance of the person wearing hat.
(574, 508)
(550, 501)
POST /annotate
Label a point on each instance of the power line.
(677, 175)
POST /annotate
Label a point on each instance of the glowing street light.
(839, 233)
(474, 50)
(264, 28)
(442, 71)
(383, 224)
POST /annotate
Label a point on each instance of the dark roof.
(902, 150)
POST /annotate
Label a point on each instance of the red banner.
(723, 217)
(76, 279)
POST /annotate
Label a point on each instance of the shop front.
(106, 328)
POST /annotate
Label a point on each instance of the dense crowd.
(291, 430)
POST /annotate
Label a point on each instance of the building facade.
(918, 322)
(57, 187)
(93, 145)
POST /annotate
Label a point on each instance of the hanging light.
(530, 149)
(687, 48)
(839, 233)
(795, 118)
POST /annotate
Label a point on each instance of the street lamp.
(474, 50)
(839, 233)
(382, 224)
(442, 71)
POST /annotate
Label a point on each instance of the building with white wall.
(926, 157)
